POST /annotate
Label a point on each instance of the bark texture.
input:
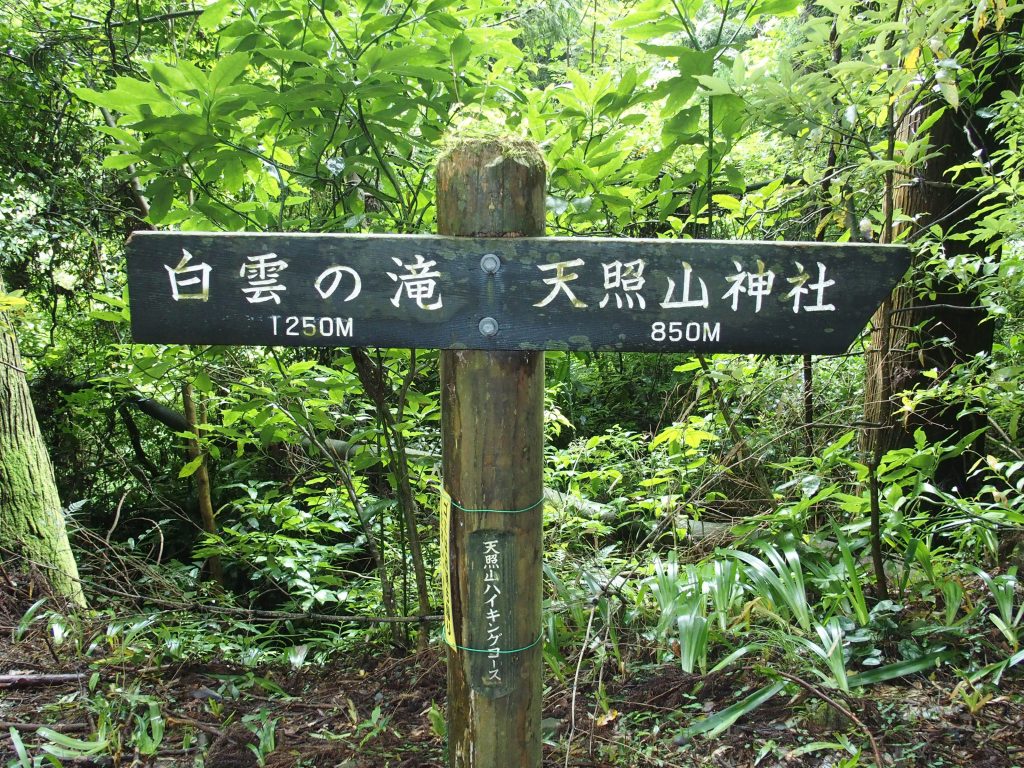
(32, 529)
(912, 335)
(492, 412)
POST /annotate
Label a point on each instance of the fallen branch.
(187, 13)
(606, 513)
(250, 613)
(28, 680)
(568, 502)
(175, 718)
(844, 711)
(176, 422)
(58, 727)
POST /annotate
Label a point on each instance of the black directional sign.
(517, 293)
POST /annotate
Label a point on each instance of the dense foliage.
(717, 513)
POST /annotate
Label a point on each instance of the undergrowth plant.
(742, 119)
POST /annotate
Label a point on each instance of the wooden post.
(492, 435)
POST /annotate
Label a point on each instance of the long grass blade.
(852, 587)
(720, 721)
(900, 669)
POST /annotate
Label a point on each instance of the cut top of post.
(474, 173)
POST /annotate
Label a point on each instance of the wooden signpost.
(436, 292)
(493, 293)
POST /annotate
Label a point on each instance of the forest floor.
(378, 710)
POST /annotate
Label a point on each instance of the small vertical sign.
(494, 665)
(445, 515)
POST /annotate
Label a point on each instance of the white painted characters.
(802, 285)
(624, 280)
(756, 285)
(333, 277)
(560, 282)
(492, 574)
(417, 284)
(189, 282)
(261, 273)
(685, 301)
(627, 285)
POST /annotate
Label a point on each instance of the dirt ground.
(378, 710)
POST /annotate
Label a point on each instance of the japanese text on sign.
(516, 293)
(419, 284)
(492, 610)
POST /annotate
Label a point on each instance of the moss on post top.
(490, 184)
(480, 139)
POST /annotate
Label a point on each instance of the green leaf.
(694, 437)
(19, 747)
(726, 202)
(9, 301)
(715, 86)
(202, 382)
(444, 22)
(740, 652)
(420, 71)
(665, 51)
(91, 96)
(229, 417)
(996, 669)
(684, 126)
(28, 618)
(110, 317)
(128, 95)
(69, 747)
(190, 469)
(853, 577)
(950, 93)
(215, 14)
(228, 70)
(123, 136)
(287, 54)
(900, 669)
(649, 21)
(461, 48)
(168, 76)
(720, 721)
(119, 161)
(932, 118)
(160, 193)
(730, 115)
(650, 482)
(692, 63)
(774, 8)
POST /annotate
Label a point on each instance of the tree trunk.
(202, 478)
(374, 382)
(911, 335)
(32, 531)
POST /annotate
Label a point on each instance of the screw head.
(490, 263)
(489, 327)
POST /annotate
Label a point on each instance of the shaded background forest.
(850, 520)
